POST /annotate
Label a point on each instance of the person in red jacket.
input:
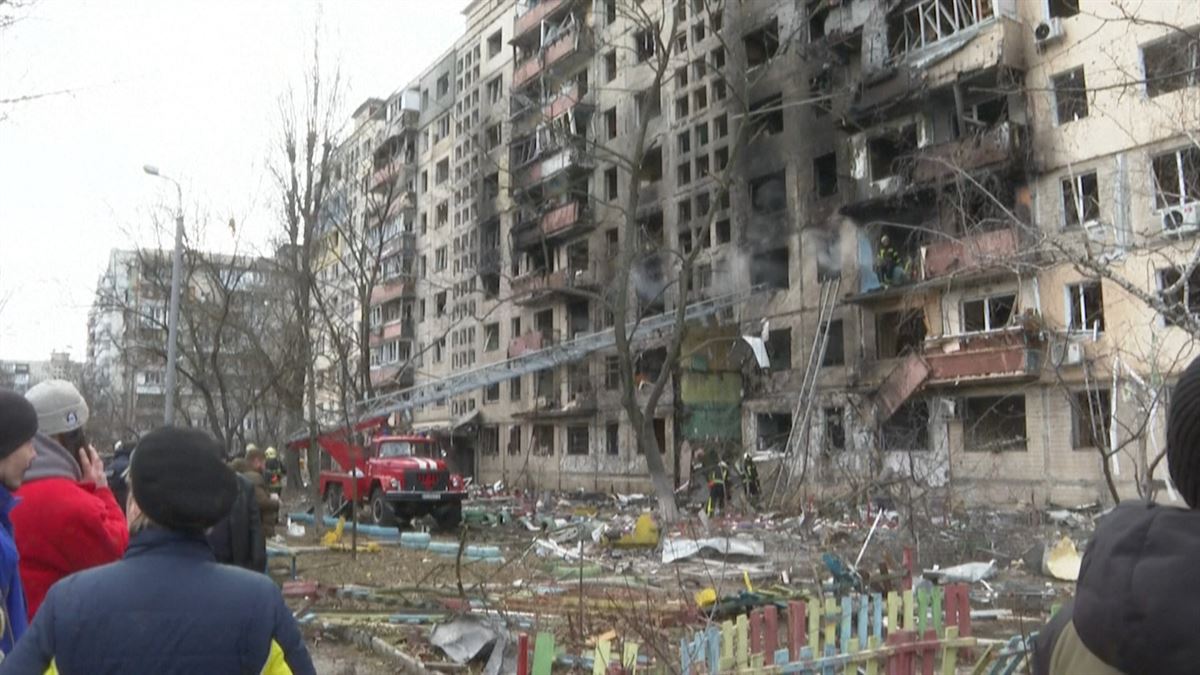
(67, 519)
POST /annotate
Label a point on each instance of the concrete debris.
(680, 548)
(464, 639)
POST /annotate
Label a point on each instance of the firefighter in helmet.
(749, 473)
(718, 479)
(275, 471)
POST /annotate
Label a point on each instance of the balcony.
(529, 342)
(564, 157)
(392, 375)
(404, 242)
(526, 71)
(562, 103)
(566, 50)
(971, 253)
(390, 290)
(533, 16)
(565, 219)
(1003, 144)
(1005, 355)
(398, 329)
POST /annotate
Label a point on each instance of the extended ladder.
(797, 442)
(555, 355)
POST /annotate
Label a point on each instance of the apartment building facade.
(997, 196)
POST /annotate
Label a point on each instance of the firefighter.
(749, 474)
(275, 471)
(888, 264)
(718, 478)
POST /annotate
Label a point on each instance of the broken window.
(610, 123)
(773, 430)
(612, 437)
(514, 389)
(820, 91)
(494, 136)
(491, 393)
(543, 440)
(1182, 297)
(766, 116)
(907, 430)
(514, 439)
(835, 348)
(1085, 307)
(889, 152)
(1177, 177)
(769, 269)
(1063, 8)
(610, 66)
(651, 169)
(986, 314)
(610, 182)
(491, 337)
(925, 22)
(899, 332)
(779, 348)
(1070, 95)
(650, 363)
(825, 177)
(835, 429)
(1081, 199)
(577, 440)
(761, 44)
(1172, 63)
(1091, 419)
(994, 423)
(645, 44)
(768, 194)
(684, 143)
(612, 372)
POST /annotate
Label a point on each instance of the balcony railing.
(562, 218)
(1005, 354)
(1000, 144)
(529, 342)
(562, 103)
(970, 253)
(391, 290)
(533, 16)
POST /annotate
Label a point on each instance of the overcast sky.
(189, 85)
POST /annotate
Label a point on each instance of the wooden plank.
(629, 657)
(922, 609)
(781, 658)
(872, 646)
(831, 652)
(687, 650)
(814, 625)
(543, 654)
(909, 611)
(939, 624)
(928, 652)
(831, 621)
(877, 616)
(864, 608)
(756, 631)
(847, 616)
(893, 612)
(603, 653)
(523, 654)
(743, 642)
(728, 655)
(795, 628)
(713, 636)
(950, 656)
(770, 639)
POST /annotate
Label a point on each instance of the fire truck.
(396, 477)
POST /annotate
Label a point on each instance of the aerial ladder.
(569, 351)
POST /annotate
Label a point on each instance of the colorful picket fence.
(923, 631)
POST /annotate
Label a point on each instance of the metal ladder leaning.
(796, 450)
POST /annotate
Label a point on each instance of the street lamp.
(173, 312)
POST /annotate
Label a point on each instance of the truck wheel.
(333, 500)
(380, 510)
(448, 516)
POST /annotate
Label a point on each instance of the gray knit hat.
(60, 407)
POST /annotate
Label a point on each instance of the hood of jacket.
(1137, 604)
(52, 461)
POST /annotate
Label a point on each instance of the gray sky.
(189, 85)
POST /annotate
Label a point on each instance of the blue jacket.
(15, 619)
(167, 608)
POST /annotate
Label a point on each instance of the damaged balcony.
(535, 288)
(1011, 354)
(396, 375)
(563, 158)
(998, 146)
(390, 290)
(530, 342)
(566, 50)
(970, 254)
(533, 16)
(568, 100)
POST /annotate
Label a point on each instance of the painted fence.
(926, 631)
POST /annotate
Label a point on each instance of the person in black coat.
(238, 539)
(168, 607)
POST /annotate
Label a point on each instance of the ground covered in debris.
(586, 568)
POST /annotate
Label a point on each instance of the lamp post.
(173, 312)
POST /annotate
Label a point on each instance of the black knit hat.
(179, 481)
(1183, 435)
(18, 421)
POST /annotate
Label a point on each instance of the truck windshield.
(396, 449)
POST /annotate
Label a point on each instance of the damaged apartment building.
(962, 227)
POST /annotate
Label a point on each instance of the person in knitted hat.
(68, 518)
(18, 425)
(1136, 606)
(168, 606)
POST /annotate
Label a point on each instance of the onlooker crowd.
(134, 569)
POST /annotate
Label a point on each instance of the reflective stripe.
(52, 670)
(276, 663)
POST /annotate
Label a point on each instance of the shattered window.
(769, 269)
(768, 194)
(1177, 177)
(1085, 306)
(645, 44)
(1081, 199)
(888, 152)
(612, 434)
(899, 332)
(489, 441)
(1172, 63)
(1070, 95)
(835, 349)
(907, 430)
(994, 423)
(1179, 296)
(762, 44)
(577, 440)
(835, 429)
(773, 430)
(610, 182)
(825, 175)
(766, 116)
(1091, 419)
(779, 348)
(543, 440)
(986, 314)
